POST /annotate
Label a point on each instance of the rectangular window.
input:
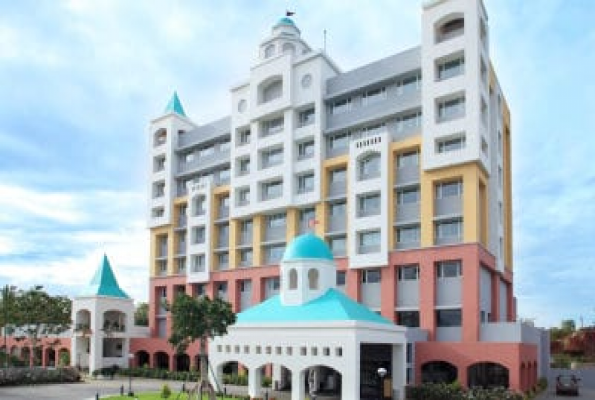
(223, 236)
(371, 276)
(305, 150)
(408, 196)
(449, 269)
(206, 151)
(244, 136)
(338, 245)
(223, 260)
(305, 183)
(451, 109)
(373, 96)
(409, 272)
(198, 235)
(274, 254)
(338, 209)
(157, 212)
(339, 140)
(244, 166)
(409, 122)
(410, 234)
(158, 189)
(451, 229)
(451, 67)
(199, 205)
(409, 159)
(243, 196)
(245, 257)
(158, 163)
(338, 175)
(181, 265)
(307, 215)
(272, 190)
(500, 177)
(272, 126)
(409, 319)
(273, 283)
(198, 263)
(306, 117)
(369, 242)
(276, 220)
(450, 144)
(341, 106)
(340, 281)
(409, 84)
(368, 204)
(448, 318)
(449, 189)
(272, 157)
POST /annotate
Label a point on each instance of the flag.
(312, 223)
(289, 13)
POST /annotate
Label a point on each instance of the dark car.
(567, 384)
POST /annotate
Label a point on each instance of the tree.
(199, 319)
(38, 315)
(141, 314)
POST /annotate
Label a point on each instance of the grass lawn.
(157, 396)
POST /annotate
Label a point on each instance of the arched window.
(313, 279)
(449, 27)
(288, 48)
(269, 51)
(438, 372)
(160, 137)
(487, 374)
(369, 166)
(293, 279)
(272, 90)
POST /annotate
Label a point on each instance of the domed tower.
(285, 39)
(307, 270)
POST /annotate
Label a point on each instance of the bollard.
(122, 390)
(184, 387)
(97, 396)
(266, 395)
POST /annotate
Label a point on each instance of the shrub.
(266, 381)
(165, 392)
(25, 376)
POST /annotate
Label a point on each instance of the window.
(223, 260)
(340, 280)
(500, 177)
(409, 159)
(206, 151)
(341, 106)
(158, 163)
(371, 276)
(369, 166)
(288, 48)
(181, 265)
(499, 142)
(306, 117)
(449, 269)
(484, 111)
(272, 91)
(223, 206)
(409, 84)
(223, 176)
(272, 126)
(243, 196)
(243, 166)
(162, 265)
(313, 279)
(368, 204)
(307, 216)
(337, 245)
(373, 96)
(198, 235)
(450, 29)
(409, 319)
(272, 157)
(449, 189)
(408, 196)
(157, 212)
(450, 109)
(451, 67)
(246, 232)
(245, 257)
(338, 209)
(409, 273)
(244, 136)
(273, 283)
(305, 183)
(409, 122)
(408, 234)
(158, 189)
(198, 263)
(339, 140)
(448, 318)
(160, 137)
(449, 229)
(369, 242)
(484, 146)
(305, 150)
(450, 144)
(272, 190)
(276, 220)
(269, 51)
(338, 175)
(223, 235)
(293, 279)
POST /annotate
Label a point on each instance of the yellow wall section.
(234, 225)
(507, 192)
(291, 222)
(257, 226)
(154, 243)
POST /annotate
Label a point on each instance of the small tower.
(307, 270)
(284, 39)
(103, 316)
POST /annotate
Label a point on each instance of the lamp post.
(381, 373)
(130, 392)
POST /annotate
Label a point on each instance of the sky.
(80, 81)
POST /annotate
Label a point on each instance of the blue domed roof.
(285, 21)
(308, 246)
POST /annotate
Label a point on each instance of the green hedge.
(155, 373)
(30, 376)
(440, 391)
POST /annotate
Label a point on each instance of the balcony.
(274, 233)
(204, 162)
(223, 212)
(337, 224)
(337, 189)
(367, 249)
(451, 205)
(368, 212)
(336, 151)
(407, 175)
(404, 245)
(439, 241)
(511, 332)
(182, 222)
(363, 176)
(407, 212)
(245, 239)
(223, 242)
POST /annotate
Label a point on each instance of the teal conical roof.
(174, 106)
(104, 283)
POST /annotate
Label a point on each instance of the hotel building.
(401, 165)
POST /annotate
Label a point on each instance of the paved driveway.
(84, 390)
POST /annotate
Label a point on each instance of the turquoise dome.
(285, 21)
(308, 246)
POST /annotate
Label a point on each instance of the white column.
(254, 382)
(399, 372)
(297, 384)
(276, 375)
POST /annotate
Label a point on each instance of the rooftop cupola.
(104, 283)
(284, 39)
(286, 27)
(174, 106)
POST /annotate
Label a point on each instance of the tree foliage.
(141, 314)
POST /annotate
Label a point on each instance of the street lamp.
(381, 373)
(130, 392)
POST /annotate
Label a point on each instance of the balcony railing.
(452, 205)
(407, 174)
(407, 212)
(245, 239)
(223, 212)
(338, 188)
(448, 240)
(369, 211)
(366, 249)
(337, 224)
(275, 233)
(362, 176)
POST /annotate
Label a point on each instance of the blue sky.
(79, 81)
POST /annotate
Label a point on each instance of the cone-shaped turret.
(104, 283)
(174, 106)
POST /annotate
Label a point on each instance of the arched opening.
(50, 357)
(233, 373)
(182, 362)
(487, 375)
(288, 48)
(160, 137)
(293, 279)
(369, 166)
(161, 360)
(322, 381)
(269, 51)
(82, 321)
(26, 355)
(438, 372)
(451, 26)
(313, 279)
(63, 357)
(271, 89)
(522, 377)
(142, 359)
(114, 321)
